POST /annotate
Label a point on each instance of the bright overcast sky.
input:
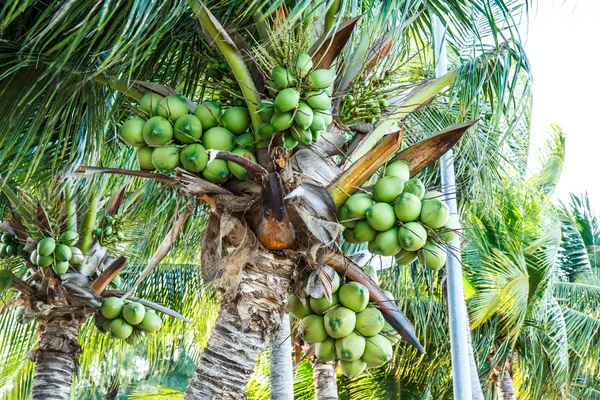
(563, 46)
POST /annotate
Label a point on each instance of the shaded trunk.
(282, 374)
(242, 328)
(505, 387)
(56, 357)
(476, 391)
(325, 377)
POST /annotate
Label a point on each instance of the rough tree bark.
(242, 328)
(502, 377)
(476, 391)
(282, 373)
(56, 357)
(325, 380)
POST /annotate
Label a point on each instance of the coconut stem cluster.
(127, 320)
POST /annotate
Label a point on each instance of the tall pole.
(457, 309)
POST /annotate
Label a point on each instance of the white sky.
(563, 45)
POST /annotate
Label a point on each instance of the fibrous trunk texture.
(324, 378)
(56, 356)
(242, 329)
(503, 381)
(476, 391)
(282, 373)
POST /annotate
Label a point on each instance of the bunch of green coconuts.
(167, 135)
(58, 251)
(301, 103)
(400, 218)
(128, 320)
(347, 328)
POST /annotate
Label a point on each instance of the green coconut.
(349, 237)
(219, 139)
(6, 279)
(265, 111)
(304, 63)
(77, 257)
(131, 132)
(327, 117)
(451, 229)
(157, 131)
(378, 351)
(287, 100)
(381, 216)
(134, 313)
(335, 282)
(352, 369)
(303, 136)
(311, 329)
(386, 243)
(412, 236)
(369, 322)
(44, 261)
(282, 120)
(405, 257)
(120, 329)
(165, 159)
(246, 141)
(407, 207)
(433, 195)
(70, 238)
(398, 168)
(188, 129)
(325, 350)
(433, 256)
(354, 296)
(318, 123)
(288, 141)
(351, 347)
(144, 157)
(209, 114)
(62, 252)
(358, 204)
(265, 131)
(149, 103)
(172, 107)
(61, 267)
(390, 333)
(339, 321)
(318, 100)
(387, 189)
(416, 187)
(321, 78)
(304, 116)
(151, 322)
(136, 337)
(216, 172)
(282, 78)
(363, 232)
(434, 213)
(296, 307)
(237, 170)
(236, 120)
(46, 246)
(344, 218)
(322, 305)
(193, 157)
(111, 307)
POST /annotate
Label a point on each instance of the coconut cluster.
(167, 135)
(400, 218)
(347, 328)
(301, 104)
(109, 230)
(58, 253)
(128, 320)
(6, 280)
(10, 246)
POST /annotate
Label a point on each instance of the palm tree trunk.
(505, 387)
(282, 374)
(56, 356)
(476, 390)
(242, 328)
(324, 377)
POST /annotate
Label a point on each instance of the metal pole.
(457, 309)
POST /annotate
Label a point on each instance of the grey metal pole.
(457, 309)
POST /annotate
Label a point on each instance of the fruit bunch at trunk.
(299, 108)
(346, 328)
(10, 246)
(400, 218)
(58, 252)
(167, 135)
(127, 320)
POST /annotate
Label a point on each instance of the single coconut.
(157, 131)
(188, 129)
(322, 305)
(433, 195)
(219, 139)
(378, 351)
(265, 111)
(216, 172)
(131, 132)
(236, 120)
(358, 204)
(46, 246)
(120, 329)
(165, 159)
(433, 256)
(318, 123)
(416, 187)
(172, 107)
(193, 157)
(349, 237)
(265, 131)
(311, 329)
(451, 229)
(149, 103)
(407, 207)
(151, 322)
(339, 321)
(282, 120)
(354, 296)
(111, 307)
(434, 213)
(325, 350)
(369, 321)
(352, 369)
(303, 136)
(304, 63)
(398, 168)
(321, 78)
(412, 236)
(387, 189)
(296, 307)
(405, 257)
(386, 243)
(282, 78)
(381, 216)
(304, 116)
(144, 157)
(288, 141)
(286, 100)
(351, 347)
(209, 114)
(318, 100)
(246, 141)
(134, 313)
(237, 170)
(363, 232)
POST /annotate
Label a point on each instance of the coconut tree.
(87, 71)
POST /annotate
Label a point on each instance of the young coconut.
(363, 232)
(322, 305)
(318, 100)
(369, 322)
(339, 321)
(354, 296)
(387, 189)
(433, 256)
(144, 157)
(433, 194)
(172, 107)
(216, 172)
(321, 78)
(286, 100)
(412, 236)
(151, 322)
(188, 129)
(120, 329)
(246, 141)
(358, 204)
(134, 313)
(405, 257)
(325, 350)
(165, 159)
(352, 369)
(407, 207)
(282, 120)
(296, 307)
(303, 136)
(434, 213)
(193, 157)
(149, 103)
(131, 132)
(415, 186)
(304, 116)
(265, 111)
(398, 168)
(219, 139)
(237, 170)
(304, 63)
(77, 257)
(351, 347)
(451, 229)
(209, 114)
(378, 351)
(111, 307)
(6, 279)
(311, 329)
(318, 122)
(157, 131)
(236, 120)
(386, 243)
(381, 216)
(282, 78)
